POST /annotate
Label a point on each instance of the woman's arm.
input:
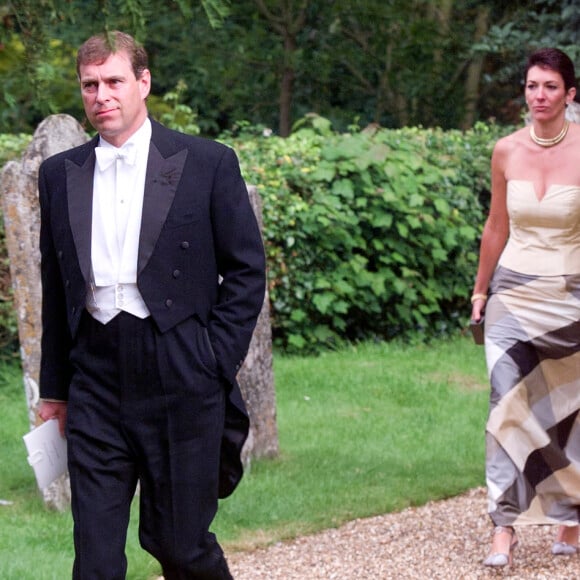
(496, 229)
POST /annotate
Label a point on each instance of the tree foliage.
(398, 63)
(370, 233)
(38, 41)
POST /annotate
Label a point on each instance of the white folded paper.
(46, 452)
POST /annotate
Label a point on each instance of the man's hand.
(54, 410)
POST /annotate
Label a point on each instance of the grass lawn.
(364, 431)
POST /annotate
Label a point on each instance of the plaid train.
(533, 431)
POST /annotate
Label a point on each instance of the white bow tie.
(106, 156)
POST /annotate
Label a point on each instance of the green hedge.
(370, 234)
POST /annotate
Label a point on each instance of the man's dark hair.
(99, 47)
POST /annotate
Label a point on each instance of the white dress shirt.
(118, 187)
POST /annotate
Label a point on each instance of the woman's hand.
(478, 306)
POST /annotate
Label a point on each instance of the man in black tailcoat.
(153, 275)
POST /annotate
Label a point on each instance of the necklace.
(549, 142)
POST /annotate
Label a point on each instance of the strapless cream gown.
(532, 346)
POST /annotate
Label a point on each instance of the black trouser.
(147, 407)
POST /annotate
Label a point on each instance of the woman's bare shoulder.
(573, 132)
(508, 146)
(513, 140)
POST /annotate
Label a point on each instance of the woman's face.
(546, 94)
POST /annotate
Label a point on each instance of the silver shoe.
(564, 549)
(497, 560)
(501, 559)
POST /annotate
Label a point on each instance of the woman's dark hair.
(556, 60)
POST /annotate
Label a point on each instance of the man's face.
(114, 100)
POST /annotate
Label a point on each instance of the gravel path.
(444, 540)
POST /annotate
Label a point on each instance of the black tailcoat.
(200, 255)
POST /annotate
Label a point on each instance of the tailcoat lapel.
(163, 176)
(79, 184)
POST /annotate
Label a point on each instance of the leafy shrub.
(369, 234)
(11, 146)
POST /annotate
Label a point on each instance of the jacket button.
(169, 303)
(59, 254)
(185, 245)
(176, 273)
(67, 284)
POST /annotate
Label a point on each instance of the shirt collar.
(142, 135)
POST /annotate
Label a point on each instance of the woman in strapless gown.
(528, 286)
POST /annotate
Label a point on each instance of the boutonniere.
(169, 176)
(172, 170)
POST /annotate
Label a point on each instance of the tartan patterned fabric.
(532, 344)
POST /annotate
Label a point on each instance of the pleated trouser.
(144, 407)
